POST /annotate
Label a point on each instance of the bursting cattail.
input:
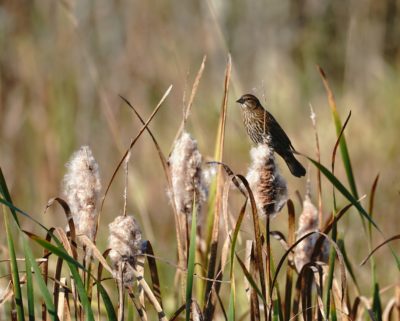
(308, 222)
(125, 242)
(82, 188)
(268, 186)
(187, 180)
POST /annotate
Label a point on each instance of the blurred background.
(64, 63)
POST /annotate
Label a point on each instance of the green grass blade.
(14, 270)
(345, 156)
(192, 255)
(29, 288)
(251, 280)
(107, 303)
(56, 250)
(12, 208)
(343, 145)
(40, 281)
(376, 303)
(347, 262)
(6, 194)
(81, 291)
(277, 310)
(73, 267)
(329, 281)
(343, 190)
(231, 309)
(333, 310)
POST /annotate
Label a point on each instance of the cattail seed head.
(268, 186)
(82, 188)
(125, 242)
(186, 173)
(308, 222)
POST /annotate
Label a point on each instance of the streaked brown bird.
(264, 129)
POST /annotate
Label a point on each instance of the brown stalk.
(289, 270)
(99, 274)
(318, 154)
(141, 312)
(331, 97)
(268, 263)
(393, 238)
(129, 149)
(338, 253)
(155, 280)
(188, 107)
(210, 304)
(164, 163)
(120, 282)
(258, 251)
(45, 273)
(254, 305)
(70, 221)
(57, 278)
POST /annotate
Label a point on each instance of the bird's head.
(249, 101)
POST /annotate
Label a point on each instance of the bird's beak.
(240, 101)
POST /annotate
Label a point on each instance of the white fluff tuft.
(125, 242)
(186, 173)
(82, 188)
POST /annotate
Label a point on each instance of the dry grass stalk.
(269, 187)
(308, 222)
(125, 242)
(81, 188)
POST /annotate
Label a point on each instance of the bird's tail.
(294, 165)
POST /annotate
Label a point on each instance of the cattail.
(125, 242)
(267, 184)
(186, 173)
(308, 222)
(82, 188)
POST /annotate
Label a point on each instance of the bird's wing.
(280, 136)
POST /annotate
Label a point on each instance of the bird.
(263, 128)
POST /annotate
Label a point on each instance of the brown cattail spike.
(268, 186)
(308, 222)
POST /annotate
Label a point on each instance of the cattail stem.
(121, 305)
(126, 165)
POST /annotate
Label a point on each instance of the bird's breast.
(256, 126)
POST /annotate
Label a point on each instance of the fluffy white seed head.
(125, 241)
(82, 188)
(308, 222)
(268, 186)
(186, 173)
